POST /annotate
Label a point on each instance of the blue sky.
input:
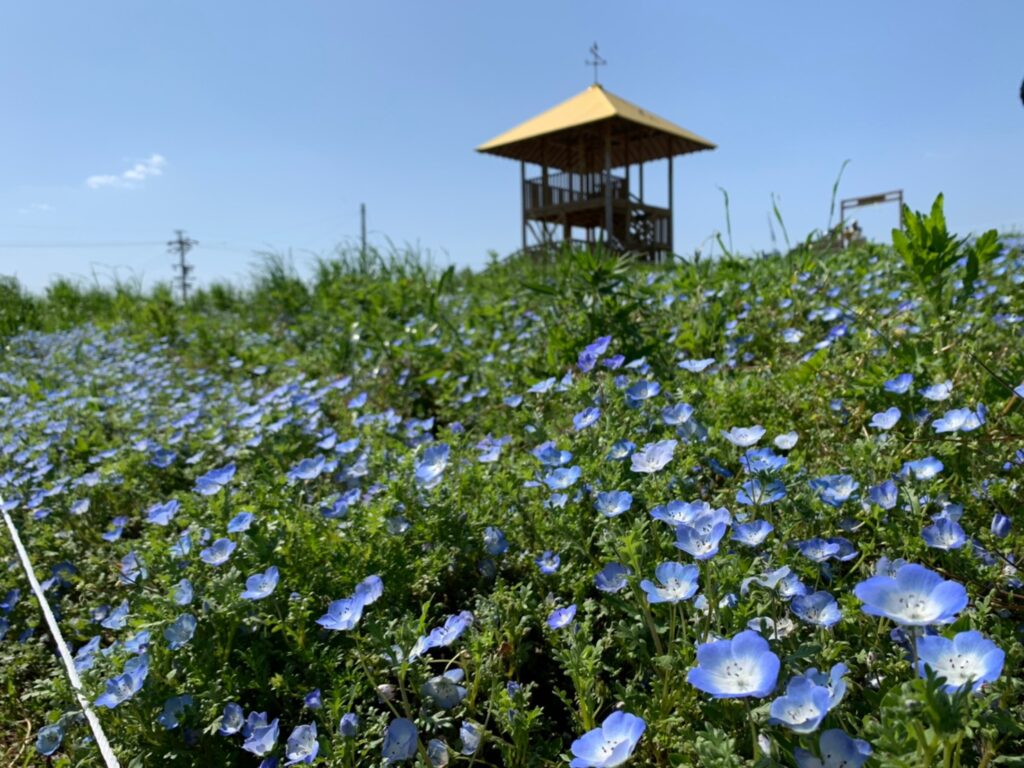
(263, 125)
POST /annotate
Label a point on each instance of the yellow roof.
(571, 135)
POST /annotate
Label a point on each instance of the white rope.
(94, 722)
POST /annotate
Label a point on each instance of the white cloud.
(139, 172)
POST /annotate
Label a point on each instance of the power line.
(118, 244)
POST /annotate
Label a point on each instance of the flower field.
(739, 512)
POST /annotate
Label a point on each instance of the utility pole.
(182, 245)
(362, 227)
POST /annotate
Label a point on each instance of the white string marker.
(94, 722)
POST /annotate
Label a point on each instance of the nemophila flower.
(313, 699)
(754, 493)
(819, 609)
(469, 735)
(162, 514)
(585, 418)
(548, 562)
(833, 681)
(437, 753)
(180, 631)
(792, 335)
(676, 512)
(762, 460)
(123, 687)
(944, 534)
(922, 469)
(613, 578)
(621, 450)
(307, 469)
(609, 745)
(348, 726)
(968, 659)
(214, 480)
(401, 741)
(592, 352)
(551, 456)
(884, 495)
(444, 690)
(674, 415)
(85, 657)
(653, 456)
(696, 366)
(817, 549)
(240, 522)
(642, 390)
(182, 594)
(614, 362)
(752, 534)
(736, 668)
(174, 708)
(262, 736)
(802, 707)
(959, 420)
(117, 618)
(302, 746)
(676, 582)
(495, 542)
(744, 437)
(787, 441)
(700, 542)
(900, 385)
(218, 552)
(431, 466)
(613, 503)
(80, 507)
(137, 643)
(116, 529)
(937, 392)
(49, 739)
(834, 490)
(915, 596)
(561, 617)
(231, 720)
(132, 571)
(1000, 526)
(562, 478)
(261, 585)
(885, 420)
(837, 750)
(444, 635)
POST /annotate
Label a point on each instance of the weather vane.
(597, 61)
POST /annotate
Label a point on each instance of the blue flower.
(803, 706)
(469, 735)
(348, 726)
(729, 669)
(261, 585)
(174, 708)
(183, 592)
(218, 552)
(752, 534)
(117, 618)
(959, 420)
(922, 469)
(613, 503)
(817, 549)
(313, 700)
(700, 541)
(609, 745)
(431, 466)
(240, 522)
(562, 478)
(261, 736)
(613, 578)
(945, 534)
(444, 635)
(900, 385)
(1000, 525)
(444, 690)
(884, 495)
(754, 493)
(126, 685)
(302, 746)
(819, 608)
(677, 582)
(762, 460)
(915, 596)
(162, 514)
(585, 418)
(495, 542)
(653, 456)
(837, 750)
(561, 617)
(49, 739)
(968, 659)
(744, 437)
(696, 366)
(214, 480)
(937, 392)
(401, 741)
(834, 490)
(621, 450)
(343, 615)
(307, 469)
(180, 631)
(886, 420)
(548, 562)
(232, 720)
(787, 441)
(642, 390)
(674, 415)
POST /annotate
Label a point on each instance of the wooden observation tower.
(583, 150)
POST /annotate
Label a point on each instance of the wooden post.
(641, 181)
(608, 185)
(671, 214)
(522, 184)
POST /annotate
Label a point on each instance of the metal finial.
(597, 61)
